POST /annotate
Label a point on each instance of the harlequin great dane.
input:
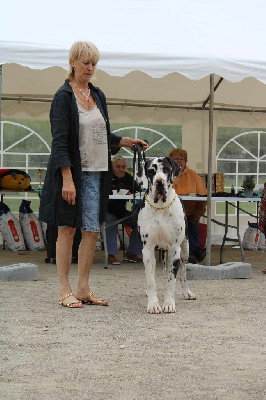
(162, 223)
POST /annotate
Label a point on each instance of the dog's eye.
(166, 170)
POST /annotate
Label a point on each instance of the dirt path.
(210, 349)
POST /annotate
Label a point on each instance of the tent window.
(240, 153)
(161, 138)
(23, 148)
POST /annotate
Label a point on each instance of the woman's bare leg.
(85, 260)
(63, 260)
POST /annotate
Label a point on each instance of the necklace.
(84, 105)
(160, 208)
(81, 91)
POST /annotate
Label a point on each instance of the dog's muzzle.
(160, 192)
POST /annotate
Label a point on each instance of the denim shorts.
(90, 198)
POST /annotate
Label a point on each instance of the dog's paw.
(154, 308)
(189, 295)
(169, 307)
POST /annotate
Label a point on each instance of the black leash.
(138, 151)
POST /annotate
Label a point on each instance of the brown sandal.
(74, 304)
(93, 303)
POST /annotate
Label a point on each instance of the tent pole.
(209, 183)
(215, 88)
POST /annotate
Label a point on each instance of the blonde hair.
(79, 49)
(178, 152)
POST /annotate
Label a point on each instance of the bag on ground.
(251, 239)
(31, 227)
(44, 229)
(11, 229)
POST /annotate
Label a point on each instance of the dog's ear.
(141, 177)
(175, 167)
(147, 166)
(144, 178)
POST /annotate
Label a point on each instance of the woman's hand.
(130, 142)
(68, 189)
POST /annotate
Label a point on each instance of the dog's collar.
(160, 208)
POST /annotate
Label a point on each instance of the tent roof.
(158, 37)
(137, 88)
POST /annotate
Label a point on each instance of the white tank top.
(92, 139)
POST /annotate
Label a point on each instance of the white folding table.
(227, 200)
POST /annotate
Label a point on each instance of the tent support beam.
(125, 103)
(215, 88)
(209, 183)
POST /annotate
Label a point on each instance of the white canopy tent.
(157, 37)
(180, 42)
(154, 53)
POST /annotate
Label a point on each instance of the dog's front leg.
(173, 267)
(149, 261)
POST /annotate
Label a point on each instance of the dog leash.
(138, 150)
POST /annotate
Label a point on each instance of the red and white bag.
(11, 229)
(31, 227)
(251, 239)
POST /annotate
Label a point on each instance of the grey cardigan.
(64, 120)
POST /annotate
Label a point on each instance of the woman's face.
(180, 161)
(84, 69)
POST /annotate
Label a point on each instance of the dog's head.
(160, 172)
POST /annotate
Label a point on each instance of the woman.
(187, 182)
(76, 187)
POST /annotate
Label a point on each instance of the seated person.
(188, 181)
(116, 210)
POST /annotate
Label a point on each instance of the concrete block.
(230, 270)
(19, 272)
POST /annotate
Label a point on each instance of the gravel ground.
(212, 348)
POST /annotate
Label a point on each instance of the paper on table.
(120, 191)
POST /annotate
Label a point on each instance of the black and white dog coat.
(162, 223)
